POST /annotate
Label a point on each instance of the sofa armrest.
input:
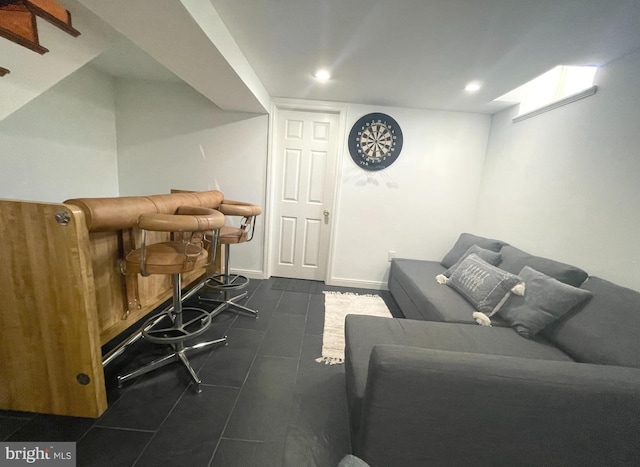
(430, 407)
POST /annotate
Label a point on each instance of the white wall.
(32, 73)
(419, 205)
(566, 184)
(62, 144)
(170, 136)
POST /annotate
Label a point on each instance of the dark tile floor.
(265, 401)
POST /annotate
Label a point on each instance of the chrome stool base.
(178, 354)
(174, 327)
(224, 283)
(229, 303)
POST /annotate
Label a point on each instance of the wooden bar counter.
(64, 296)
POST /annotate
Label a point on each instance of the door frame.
(302, 105)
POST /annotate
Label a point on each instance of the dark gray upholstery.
(464, 242)
(425, 407)
(491, 257)
(513, 260)
(413, 285)
(485, 286)
(440, 390)
(606, 330)
(545, 301)
(362, 333)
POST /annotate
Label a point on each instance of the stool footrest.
(165, 329)
(227, 282)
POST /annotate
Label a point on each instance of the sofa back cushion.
(513, 260)
(413, 285)
(466, 241)
(606, 330)
(491, 257)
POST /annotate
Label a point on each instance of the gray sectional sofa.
(436, 388)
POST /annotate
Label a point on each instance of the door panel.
(312, 239)
(291, 185)
(316, 176)
(287, 240)
(305, 163)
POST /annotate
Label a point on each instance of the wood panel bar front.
(63, 297)
(50, 358)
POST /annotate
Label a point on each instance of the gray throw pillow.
(545, 300)
(485, 286)
(489, 256)
(466, 240)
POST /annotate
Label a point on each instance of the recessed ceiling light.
(322, 75)
(473, 86)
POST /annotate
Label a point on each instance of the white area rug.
(336, 307)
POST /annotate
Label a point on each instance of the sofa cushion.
(485, 286)
(513, 260)
(464, 242)
(425, 407)
(545, 300)
(413, 285)
(491, 257)
(606, 330)
(364, 332)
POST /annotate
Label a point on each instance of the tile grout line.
(235, 403)
(120, 428)
(244, 440)
(26, 421)
(280, 449)
(295, 382)
(155, 433)
(188, 387)
(97, 421)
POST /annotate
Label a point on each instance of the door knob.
(326, 213)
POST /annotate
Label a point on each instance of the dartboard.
(375, 141)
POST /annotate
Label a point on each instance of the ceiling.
(421, 53)
(124, 60)
(410, 53)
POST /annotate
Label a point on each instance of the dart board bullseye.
(375, 141)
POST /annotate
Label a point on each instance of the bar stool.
(229, 235)
(184, 253)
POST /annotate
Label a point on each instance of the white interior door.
(305, 163)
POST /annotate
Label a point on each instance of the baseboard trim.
(335, 281)
(250, 273)
(357, 283)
